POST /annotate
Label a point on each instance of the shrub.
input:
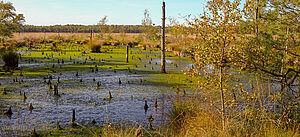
(95, 46)
(54, 47)
(11, 59)
(177, 116)
(108, 38)
(116, 43)
(139, 39)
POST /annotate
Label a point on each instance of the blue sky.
(88, 12)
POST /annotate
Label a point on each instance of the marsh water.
(130, 85)
(81, 93)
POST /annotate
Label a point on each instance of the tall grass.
(251, 115)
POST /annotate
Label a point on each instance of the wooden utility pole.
(163, 56)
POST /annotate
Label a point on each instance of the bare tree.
(102, 26)
(148, 27)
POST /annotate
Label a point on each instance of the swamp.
(233, 70)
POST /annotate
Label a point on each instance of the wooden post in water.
(127, 53)
(163, 56)
(73, 117)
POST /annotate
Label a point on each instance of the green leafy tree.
(274, 49)
(9, 21)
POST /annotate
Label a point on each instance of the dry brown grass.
(95, 45)
(49, 35)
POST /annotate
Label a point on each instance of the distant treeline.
(84, 28)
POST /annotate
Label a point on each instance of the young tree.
(148, 28)
(179, 37)
(102, 26)
(215, 45)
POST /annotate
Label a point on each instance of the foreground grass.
(192, 118)
(106, 131)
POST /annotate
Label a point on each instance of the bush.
(11, 59)
(95, 46)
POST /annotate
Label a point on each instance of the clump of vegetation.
(54, 46)
(95, 46)
(11, 60)
(3, 92)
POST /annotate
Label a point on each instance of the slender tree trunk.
(282, 81)
(222, 97)
(127, 53)
(283, 60)
(163, 56)
(58, 34)
(256, 18)
(91, 35)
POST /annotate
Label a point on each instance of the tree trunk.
(58, 35)
(284, 99)
(91, 35)
(163, 57)
(222, 96)
(256, 18)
